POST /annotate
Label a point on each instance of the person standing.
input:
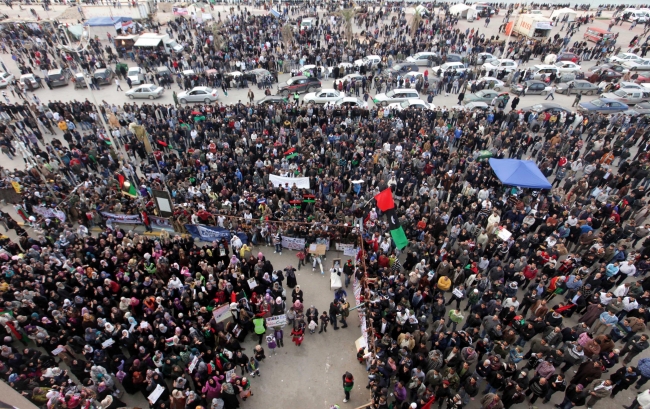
(602, 390)
(117, 82)
(348, 384)
(324, 319)
(334, 311)
(623, 379)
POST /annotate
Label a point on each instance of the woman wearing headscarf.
(229, 396)
(212, 389)
(177, 400)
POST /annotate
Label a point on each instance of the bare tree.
(415, 22)
(287, 35)
(348, 17)
(217, 28)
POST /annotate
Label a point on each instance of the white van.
(640, 16)
(395, 95)
(423, 11)
(308, 23)
(544, 70)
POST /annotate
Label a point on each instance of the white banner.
(121, 218)
(351, 252)
(293, 243)
(276, 321)
(180, 11)
(49, 213)
(343, 246)
(280, 181)
(222, 313)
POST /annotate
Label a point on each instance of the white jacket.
(644, 399)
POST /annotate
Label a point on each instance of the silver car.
(579, 87)
(150, 91)
(198, 94)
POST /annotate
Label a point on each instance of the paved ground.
(310, 375)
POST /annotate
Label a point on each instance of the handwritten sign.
(222, 313)
(276, 321)
(108, 343)
(58, 351)
(195, 361)
(153, 397)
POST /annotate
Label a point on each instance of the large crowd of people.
(460, 314)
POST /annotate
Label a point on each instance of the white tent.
(559, 14)
(464, 10)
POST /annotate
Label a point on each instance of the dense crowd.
(458, 312)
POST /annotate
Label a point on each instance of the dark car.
(272, 99)
(299, 84)
(58, 77)
(568, 57)
(544, 107)
(577, 87)
(451, 57)
(604, 75)
(531, 87)
(403, 68)
(104, 76)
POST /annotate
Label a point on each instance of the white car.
(500, 65)
(198, 94)
(638, 65)
(351, 102)
(483, 58)
(412, 104)
(149, 91)
(623, 57)
(449, 66)
(567, 66)
(350, 77)
(371, 60)
(323, 96)
(5, 79)
(313, 67)
(498, 84)
(136, 75)
(627, 85)
(30, 78)
(421, 59)
(413, 78)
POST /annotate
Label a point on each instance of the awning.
(147, 42)
(522, 173)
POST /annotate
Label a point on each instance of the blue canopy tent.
(106, 21)
(522, 173)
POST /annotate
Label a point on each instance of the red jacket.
(530, 272)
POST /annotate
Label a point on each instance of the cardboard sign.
(222, 313)
(318, 249)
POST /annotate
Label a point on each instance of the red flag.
(385, 200)
(290, 151)
(121, 179)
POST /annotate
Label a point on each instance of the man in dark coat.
(588, 372)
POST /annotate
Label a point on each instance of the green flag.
(399, 237)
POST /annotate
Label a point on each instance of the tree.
(415, 23)
(287, 35)
(216, 28)
(348, 16)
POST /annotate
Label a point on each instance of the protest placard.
(276, 321)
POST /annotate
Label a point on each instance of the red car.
(609, 75)
(641, 78)
(568, 57)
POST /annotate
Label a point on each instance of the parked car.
(369, 60)
(500, 65)
(136, 75)
(104, 76)
(567, 66)
(483, 58)
(402, 68)
(614, 67)
(532, 87)
(484, 95)
(577, 87)
(58, 77)
(323, 96)
(299, 84)
(5, 79)
(452, 57)
(449, 66)
(627, 85)
(567, 57)
(412, 104)
(641, 78)
(395, 95)
(312, 67)
(351, 102)
(422, 59)
(638, 65)
(643, 108)
(604, 75)
(198, 94)
(350, 77)
(622, 57)
(497, 84)
(150, 91)
(32, 79)
(273, 99)
(550, 107)
(602, 105)
(628, 97)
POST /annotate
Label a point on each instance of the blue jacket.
(644, 367)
